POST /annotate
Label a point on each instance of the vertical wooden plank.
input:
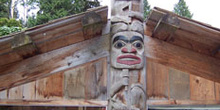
(29, 91)
(179, 85)
(3, 94)
(217, 93)
(87, 81)
(50, 87)
(201, 89)
(157, 81)
(16, 92)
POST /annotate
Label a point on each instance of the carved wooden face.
(127, 50)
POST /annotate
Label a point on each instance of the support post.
(127, 75)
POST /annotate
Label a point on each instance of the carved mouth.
(128, 59)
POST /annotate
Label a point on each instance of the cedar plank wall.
(175, 42)
(76, 86)
(169, 86)
(165, 86)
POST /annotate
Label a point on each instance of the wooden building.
(64, 64)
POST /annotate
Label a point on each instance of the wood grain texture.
(47, 37)
(182, 59)
(16, 92)
(67, 103)
(182, 102)
(29, 91)
(183, 32)
(201, 89)
(54, 61)
(87, 81)
(179, 85)
(49, 108)
(217, 92)
(50, 87)
(157, 81)
(60, 41)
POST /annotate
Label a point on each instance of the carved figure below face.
(127, 50)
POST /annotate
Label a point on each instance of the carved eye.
(119, 44)
(138, 45)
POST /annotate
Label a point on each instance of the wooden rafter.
(183, 59)
(53, 62)
(183, 32)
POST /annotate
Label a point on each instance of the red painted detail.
(125, 50)
(134, 59)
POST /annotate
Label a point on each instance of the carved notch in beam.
(92, 25)
(23, 45)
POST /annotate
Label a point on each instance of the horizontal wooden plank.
(5, 45)
(49, 108)
(67, 20)
(181, 102)
(183, 32)
(50, 36)
(195, 42)
(193, 22)
(60, 41)
(182, 59)
(54, 61)
(64, 103)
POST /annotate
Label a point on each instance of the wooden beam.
(64, 103)
(54, 61)
(67, 20)
(47, 37)
(182, 59)
(183, 32)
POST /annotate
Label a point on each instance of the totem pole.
(127, 83)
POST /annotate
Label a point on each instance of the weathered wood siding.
(165, 86)
(50, 108)
(84, 82)
(168, 86)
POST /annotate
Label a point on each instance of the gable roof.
(187, 33)
(50, 36)
(183, 43)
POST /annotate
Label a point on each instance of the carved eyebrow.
(134, 38)
(120, 37)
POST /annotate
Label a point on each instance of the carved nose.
(131, 50)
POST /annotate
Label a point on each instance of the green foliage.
(9, 26)
(7, 30)
(147, 8)
(54, 9)
(182, 9)
(9, 23)
(14, 23)
(4, 9)
(3, 22)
